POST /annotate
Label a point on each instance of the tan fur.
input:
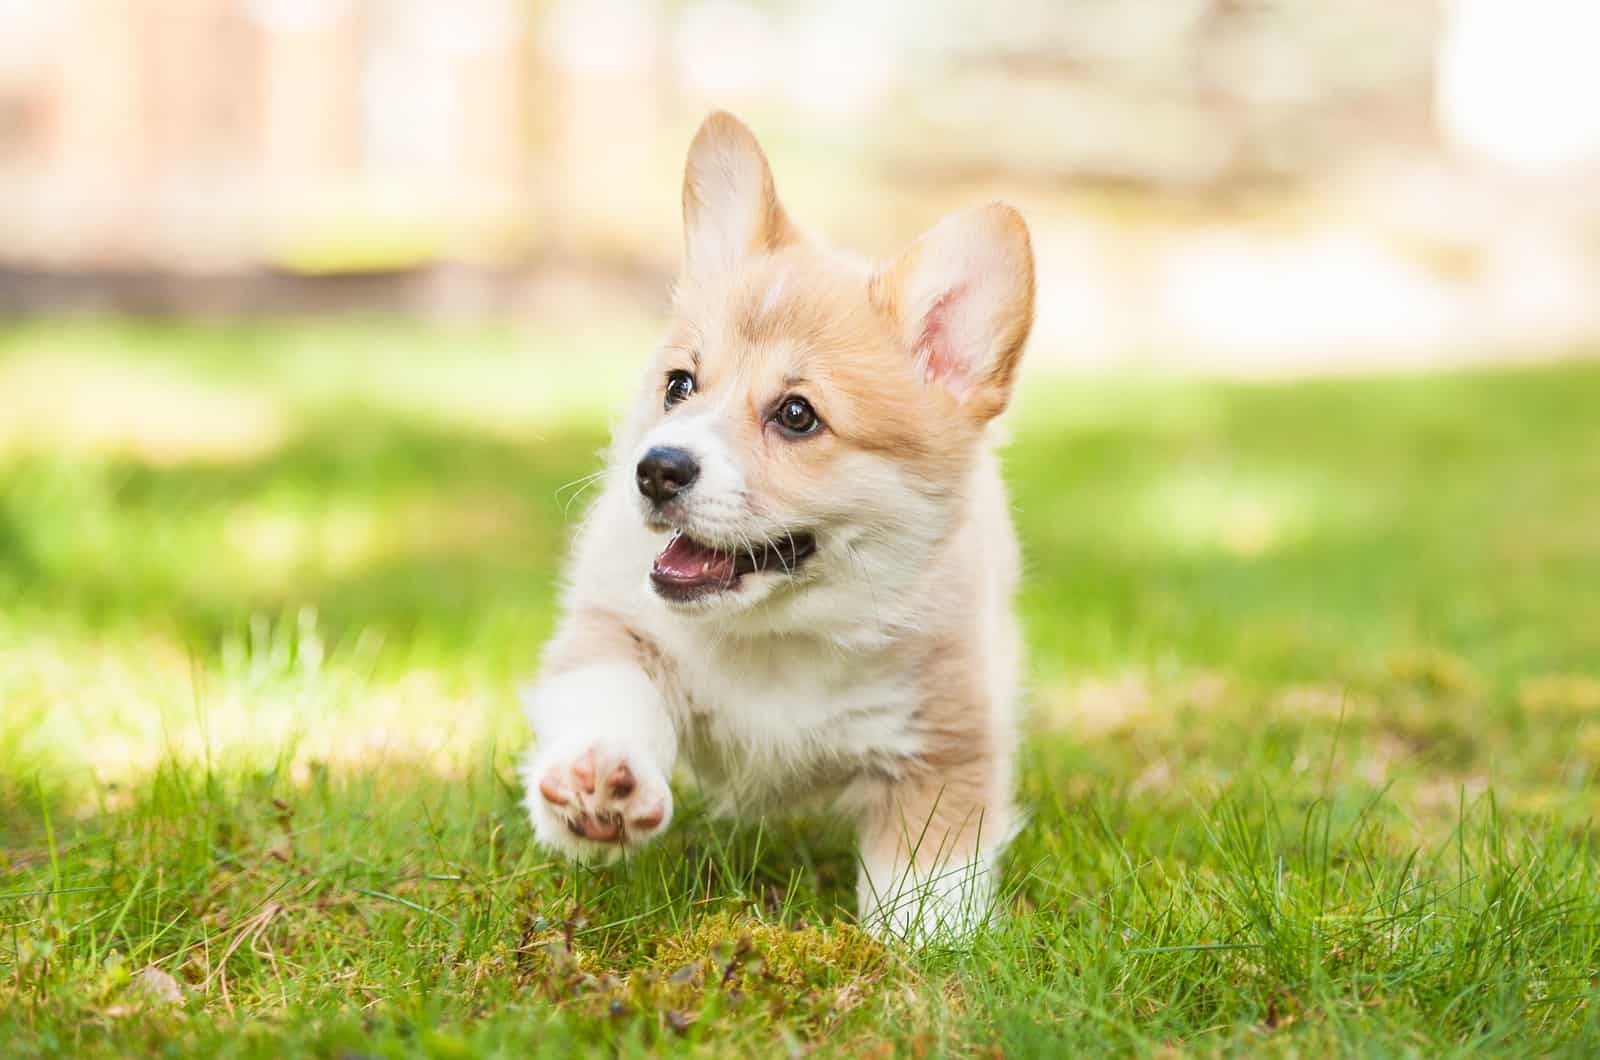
(957, 792)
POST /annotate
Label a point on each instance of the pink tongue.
(689, 562)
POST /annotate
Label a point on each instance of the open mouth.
(687, 569)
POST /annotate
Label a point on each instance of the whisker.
(566, 509)
(579, 481)
(579, 484)
(790, 535)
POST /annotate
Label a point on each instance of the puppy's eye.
(680, 385)
(796, 416)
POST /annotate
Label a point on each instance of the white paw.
(596, 801)
(946, 904)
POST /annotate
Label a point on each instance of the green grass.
(1310, 765)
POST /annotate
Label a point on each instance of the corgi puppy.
(797, 579)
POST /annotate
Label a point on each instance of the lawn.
(1314, 722)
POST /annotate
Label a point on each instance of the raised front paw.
(596, 801)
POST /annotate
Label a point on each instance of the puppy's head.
(805, 435)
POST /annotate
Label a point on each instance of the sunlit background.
(316, 309)
(1255, 186)
(313, 314)
(314, 304)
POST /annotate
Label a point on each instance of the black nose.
(665, 473)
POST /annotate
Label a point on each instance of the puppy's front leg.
(597, 777)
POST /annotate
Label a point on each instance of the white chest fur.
(770, 721)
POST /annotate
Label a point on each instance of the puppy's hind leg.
(928, 846)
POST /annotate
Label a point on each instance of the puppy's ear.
(730, 206)
(962, 297)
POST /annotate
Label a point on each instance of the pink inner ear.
(936, 346)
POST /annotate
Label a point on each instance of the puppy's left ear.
(962, 297)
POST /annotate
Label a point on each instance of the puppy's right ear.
(730, 206)
(963, 298)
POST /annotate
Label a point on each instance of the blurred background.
(1249, 185)
(313, 316)
(313, 313)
